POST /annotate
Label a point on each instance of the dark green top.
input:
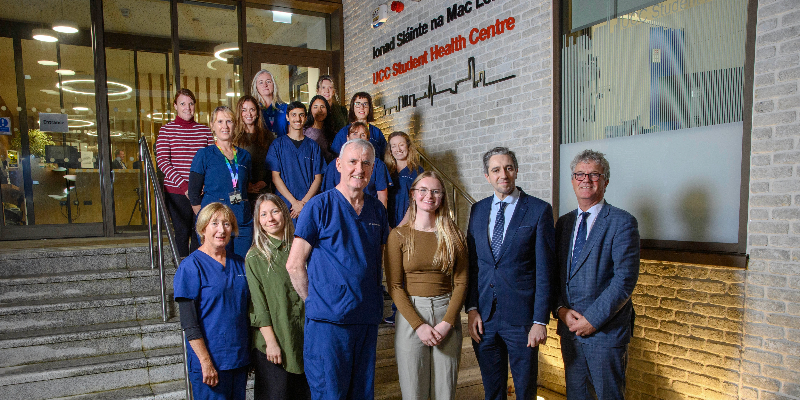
(340, 118)
(275, 303)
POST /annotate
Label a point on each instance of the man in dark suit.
(119, 160)
(598, 259)
(511, 243)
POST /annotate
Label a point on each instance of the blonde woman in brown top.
(426, 271)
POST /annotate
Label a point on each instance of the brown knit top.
(419, 277)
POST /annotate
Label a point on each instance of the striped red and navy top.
(177, 143)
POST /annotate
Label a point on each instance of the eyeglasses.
(594, 176)
(435, 192)
(359, 104)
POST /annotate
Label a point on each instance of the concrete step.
(19, 262)
(90, 375)
(82, 284)
(172, 390)
(20, 348)
(37, 315)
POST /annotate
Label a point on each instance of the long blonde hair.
(413, 157)
(276, 98)
(450, 239)
(260, 236)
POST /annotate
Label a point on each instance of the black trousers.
(272, 382)
(180, 211)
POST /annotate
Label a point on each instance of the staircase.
(82, 320)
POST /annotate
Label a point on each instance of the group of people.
(293, 287)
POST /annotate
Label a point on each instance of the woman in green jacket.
(275, 307)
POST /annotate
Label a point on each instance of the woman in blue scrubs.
(273, 108)
(403, 163)
(361, 111)
(379, 182)
(212, 294)
(220, 173)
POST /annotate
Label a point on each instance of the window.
(659, 87)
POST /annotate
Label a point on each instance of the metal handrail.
(153, 190)
(457, 190)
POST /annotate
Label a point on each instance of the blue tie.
(580, 240)
(497, 233)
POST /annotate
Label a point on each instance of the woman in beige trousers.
(426, 271)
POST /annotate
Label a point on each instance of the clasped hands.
(432, 336)
(536, 336)
(576, 322)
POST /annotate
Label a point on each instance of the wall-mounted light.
(65, 72)
(45, 35)
(65, 27)
(282, 17)
(80, 107)
(221, 49)
(47, 62)
(380, 15)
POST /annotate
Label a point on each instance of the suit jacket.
(519, 279)
(116, 164)
(600, 285)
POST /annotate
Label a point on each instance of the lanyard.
(234, 175)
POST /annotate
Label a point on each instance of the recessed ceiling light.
(65, 72)
(282, 17)
(48, 91)
(47, 62)
(65, 27)
(224, 48)
(121, 88)
(44, 35)
(78, 107)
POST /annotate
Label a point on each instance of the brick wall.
(701, 332)
(459, 128)
(771, 357)
(687, 339)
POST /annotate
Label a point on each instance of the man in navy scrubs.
(340, 234)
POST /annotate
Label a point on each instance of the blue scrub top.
(297, 166)
(275, 118)
(344, 268)
(221, 295)
(399, 194)
(379, 180)
(375, 137)
(210, 162)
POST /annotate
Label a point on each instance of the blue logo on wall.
(5, 126)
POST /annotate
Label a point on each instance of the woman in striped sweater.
(176, 145)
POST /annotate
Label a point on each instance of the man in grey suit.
(598, 258)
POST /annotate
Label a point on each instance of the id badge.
(235, 196)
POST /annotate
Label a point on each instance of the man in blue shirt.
(510, 241)
(340, 234)
(598, 263)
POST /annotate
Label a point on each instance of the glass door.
(295, 70)
(49, 175)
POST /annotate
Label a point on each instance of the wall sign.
(414, 32)
(53, 122)
(5, 126)
(479, 79)
(436, 52)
